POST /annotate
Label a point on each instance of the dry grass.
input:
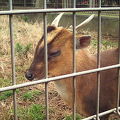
(24, 34)
(29, 33)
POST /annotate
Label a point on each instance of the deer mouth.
(33, 77)
(29, 75)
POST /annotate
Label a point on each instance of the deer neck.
(84, 62)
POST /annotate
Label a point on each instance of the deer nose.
(29, 75)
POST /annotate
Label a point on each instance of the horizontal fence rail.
(101, 114)
(58, 78)
(13, 12)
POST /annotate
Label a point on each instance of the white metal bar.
(98, 64)
(13, 61)
(74, 65)
(58, 78)
(13, 67)
(29, 11)
(101, 114)
(118, 94)
(11, 4)
(45, 4)
(46, 61)
(98, 61)
(46, 101)
(74, 61)
(90, 3)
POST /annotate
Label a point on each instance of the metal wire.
(45, 5)
(58, 78)
(74, 61)
(74, 66)
(46, 61)
(11, 4)
(13, 61)
(46, 101)
(46, 65)
(29, 11)
(98, 61)
(13, 67)
(101, 114)
(118, 94)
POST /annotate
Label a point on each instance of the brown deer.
(60, 61)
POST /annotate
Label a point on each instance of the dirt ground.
(58, 108)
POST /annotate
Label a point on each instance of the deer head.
(60, 51)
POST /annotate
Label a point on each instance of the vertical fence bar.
(118, 95)
(74, 66)
(46, 61)
(13, 60)
(90, 3)
(45, 4)
(46, 65)
(98, 61)
(25, 3)
(10, 4)
(74, 61)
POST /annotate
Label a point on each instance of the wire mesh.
(74, 74)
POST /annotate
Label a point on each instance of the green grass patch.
(34, 112)
(105, 44)
(31, 95)
(6, 94)
(21, 49)
(78, 117)
(4, 82)
(25, 18)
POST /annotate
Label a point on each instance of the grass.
(26, 37)
(31, 95)
(104, 43)
(25, 18)
(6, 94)
(78, 117)
(33, 112)
(5, 82)
(22, 50)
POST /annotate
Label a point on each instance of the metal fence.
(60, 3)
(73, 10)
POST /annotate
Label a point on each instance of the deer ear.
(83, 41)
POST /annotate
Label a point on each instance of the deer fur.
(61, 40)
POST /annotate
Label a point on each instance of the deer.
(60, 62)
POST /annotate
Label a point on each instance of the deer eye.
(54, 54)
